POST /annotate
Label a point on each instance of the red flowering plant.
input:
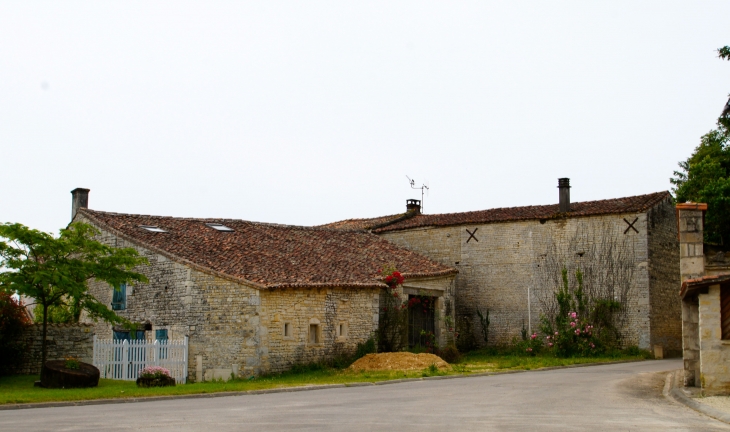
(13, 320)
(393, 312)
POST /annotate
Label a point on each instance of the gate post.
(125, 360)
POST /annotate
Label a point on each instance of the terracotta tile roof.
(694, 284)
(269, 255)
(633, 204)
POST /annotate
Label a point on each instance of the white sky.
(311, 112)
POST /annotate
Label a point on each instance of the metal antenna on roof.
(423, 188)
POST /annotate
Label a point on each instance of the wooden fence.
(123, 359)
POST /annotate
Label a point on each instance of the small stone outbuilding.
(705, 297)
(253, 297)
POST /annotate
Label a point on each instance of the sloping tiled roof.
(701, 282)
(270, 255)
(633, 204)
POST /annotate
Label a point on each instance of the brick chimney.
(564, 192)
(413, 205)
(79, 199)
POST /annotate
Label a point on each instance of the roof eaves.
(691, 285)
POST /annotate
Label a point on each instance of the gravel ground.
(721, 403)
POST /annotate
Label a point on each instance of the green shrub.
(369, 347)
(450, 354)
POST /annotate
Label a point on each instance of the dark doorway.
(421, 321)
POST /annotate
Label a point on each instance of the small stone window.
(342, 330)
(315, 333)
(287, 330)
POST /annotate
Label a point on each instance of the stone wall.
(344, 318)
(664, 277)
(513, 268)
(714, 352)
(63, 340)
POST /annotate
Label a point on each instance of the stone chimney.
(691, 240)
(79, 199)
(564, 192)
(413, 205)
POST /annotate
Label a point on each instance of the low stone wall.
(64, 340)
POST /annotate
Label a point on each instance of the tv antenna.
(423, 188)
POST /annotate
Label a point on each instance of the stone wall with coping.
(356, 309)
(513, 268)
(63, 340)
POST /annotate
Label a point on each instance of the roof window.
(152, 228)
(219, 227)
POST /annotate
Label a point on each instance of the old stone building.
(510, 260)
(705, 297)
(255, 297)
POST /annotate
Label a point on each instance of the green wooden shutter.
(119, 298)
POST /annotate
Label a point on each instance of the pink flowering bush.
(154, 372)
(155, 376)
(580, 327)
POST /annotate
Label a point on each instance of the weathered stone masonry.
(499, 263)
(63, 340)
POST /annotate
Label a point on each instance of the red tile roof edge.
(700, 282)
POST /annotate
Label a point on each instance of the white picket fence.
(122, 360)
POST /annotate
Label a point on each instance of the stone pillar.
(691, 256)
(691, 341)
(691, 265)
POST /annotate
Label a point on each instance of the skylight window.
(152, 228)
(219, 227)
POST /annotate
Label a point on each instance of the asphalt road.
(620, 397)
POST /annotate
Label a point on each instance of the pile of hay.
(402, 361)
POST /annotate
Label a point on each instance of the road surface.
(618, 397)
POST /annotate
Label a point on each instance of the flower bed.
(155, 376)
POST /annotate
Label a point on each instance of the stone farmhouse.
(510, 260)
(256, 297)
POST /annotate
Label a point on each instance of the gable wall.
(220, 317)
(664, 279)
(496, 271)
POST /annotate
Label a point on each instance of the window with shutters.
(725, 311)
(119, 298)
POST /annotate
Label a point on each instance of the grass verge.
(19, 388)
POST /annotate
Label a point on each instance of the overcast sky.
(310, 112)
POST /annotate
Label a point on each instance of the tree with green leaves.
(55, 271)
(705, 176)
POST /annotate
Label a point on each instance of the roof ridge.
(212, 219)
(548, 205)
